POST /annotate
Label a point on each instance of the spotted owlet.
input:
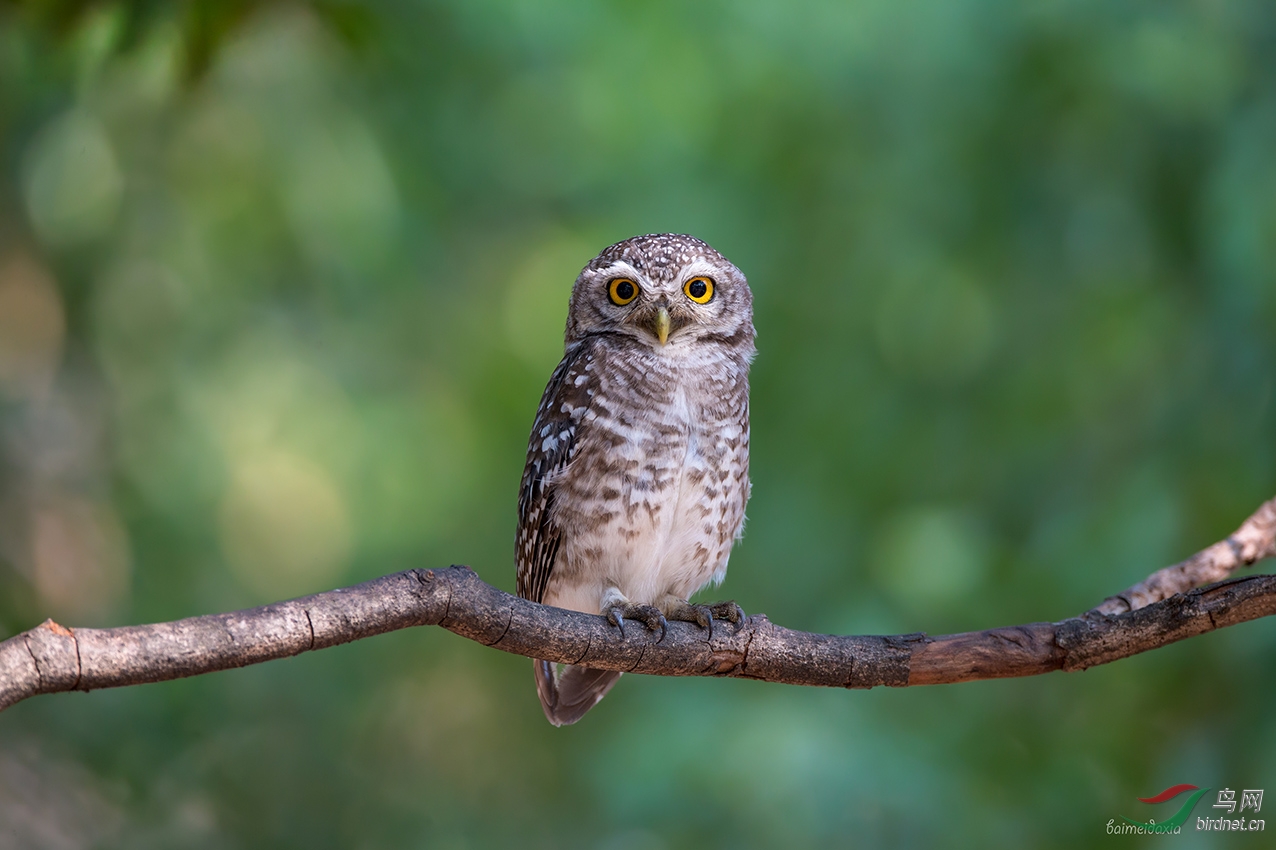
(638, 463)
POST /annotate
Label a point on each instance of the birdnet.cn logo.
(1235, 819)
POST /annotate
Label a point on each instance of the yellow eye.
(699, 289)
(621, 291)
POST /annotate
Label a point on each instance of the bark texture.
(1166, 607)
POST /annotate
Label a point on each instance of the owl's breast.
(654, 499)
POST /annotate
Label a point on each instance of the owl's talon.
(727, 611)
(649, 615)
(702, 615)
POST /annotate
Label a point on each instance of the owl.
(637, 468)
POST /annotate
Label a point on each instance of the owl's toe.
(727, 611)
(648, 615)
(702, 615)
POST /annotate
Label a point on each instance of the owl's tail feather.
(575, 690)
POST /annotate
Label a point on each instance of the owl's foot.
(649, 615)
(701, 615)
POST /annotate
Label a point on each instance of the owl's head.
(666, 291)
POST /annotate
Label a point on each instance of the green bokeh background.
(280, 286)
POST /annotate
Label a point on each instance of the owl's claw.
(650, 616)
(728, 610)
(703, 615)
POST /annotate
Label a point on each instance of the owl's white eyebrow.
(622, 269)
(699, 268)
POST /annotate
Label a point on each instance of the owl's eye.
(699, 289)
(621, 291)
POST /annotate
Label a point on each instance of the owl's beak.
(662, 325)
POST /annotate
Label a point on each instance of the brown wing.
(555, 435)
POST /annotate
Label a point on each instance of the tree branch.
(1253, 541)
(1160, 610)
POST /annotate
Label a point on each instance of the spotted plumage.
(637, 465)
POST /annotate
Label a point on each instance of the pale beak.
(662, 325)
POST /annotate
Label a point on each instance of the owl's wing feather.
(560, 427)
(556, 434)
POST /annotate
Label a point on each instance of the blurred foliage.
(281, 283)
